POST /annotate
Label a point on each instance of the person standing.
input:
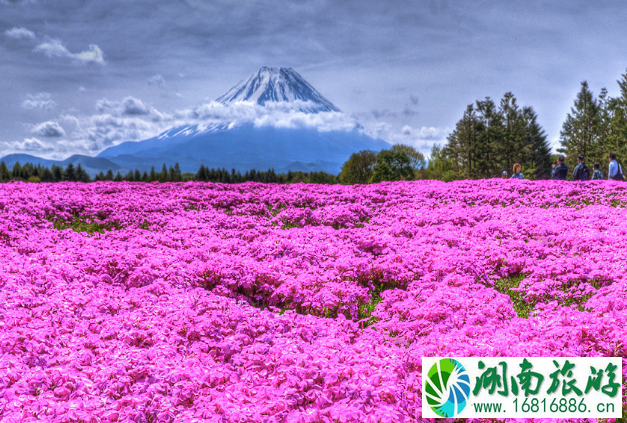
(561, 170)
(517, 174)
(581, 172)
(615, 172)
(597, 173)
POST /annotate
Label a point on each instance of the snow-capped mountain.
(279, 85)
(320, 137)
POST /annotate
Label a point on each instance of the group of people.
(580, 173)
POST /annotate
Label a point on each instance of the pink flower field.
(199, 302)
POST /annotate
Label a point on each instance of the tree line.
(55, 173)
(491, 138)
(596, 126)
(38, 173)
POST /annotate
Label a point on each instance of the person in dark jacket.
(581, 172)
(561, 170)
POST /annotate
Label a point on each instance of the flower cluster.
(203, 302)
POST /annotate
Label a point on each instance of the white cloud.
(53, 47)
(279, 114)
(19, 34)
(133, 106)
(93, 55)
(157, 81)
(422, 138)
(41, 101)
(30, 145)
(50, 129)
(131, 119)
(129, 106)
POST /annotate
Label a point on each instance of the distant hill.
(92, 165)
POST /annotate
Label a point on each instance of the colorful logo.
(447, 388)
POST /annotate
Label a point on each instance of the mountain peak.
(279, 85)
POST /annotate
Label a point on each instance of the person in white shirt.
(615, 171)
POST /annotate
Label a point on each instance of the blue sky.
(81, 75)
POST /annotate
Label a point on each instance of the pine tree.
(70, 173)
(164, 176)
(178, 175)
(17, 170)
(47, 175)
(57, 172)
(202, 175)
(109, 175)
(491, 139)
(581, 132)
(5, 174)
(537, 162)
(615, 122)
(81, 174)
(462, 144)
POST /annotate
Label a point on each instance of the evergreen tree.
(118, 177)
(137, 176)
(70, 173)
(462, 144)
(5, 174)
(178, 176)
(581, 132)
(615, 122)
(512, 148)
(488, 150)
(47, 175)
(153, 175)
(17, 170)
(81, 174)
(57, 173)
(164, 176)
(202, 175)
(109, 175)
(537, 161)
